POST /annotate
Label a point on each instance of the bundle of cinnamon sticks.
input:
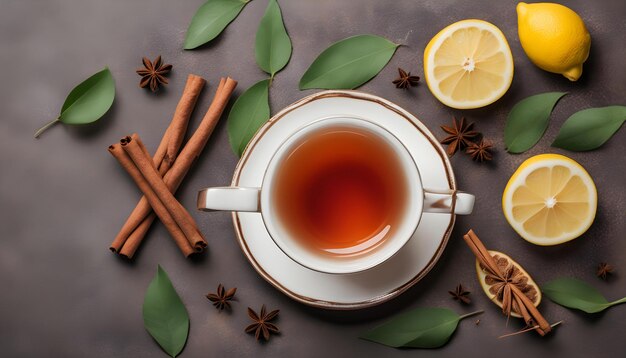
(524, 305)
(160, 176)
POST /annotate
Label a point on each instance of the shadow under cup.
(341, 195)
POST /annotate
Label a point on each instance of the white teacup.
(419, 200)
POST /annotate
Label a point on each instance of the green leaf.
(419, 328)
(164, 314)
(574, 293)
(273, 46)
(249, 113)
(210, 20)
(349, 63)
(87, 102)
(590, 128)
(528, 120)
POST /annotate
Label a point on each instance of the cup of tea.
(340, 195)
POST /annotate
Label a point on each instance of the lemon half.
(468, 64)
(550, 199)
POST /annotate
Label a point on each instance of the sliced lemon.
(550, 199)
(518, 277)
(468, 64)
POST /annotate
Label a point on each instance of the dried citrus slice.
(515, 273)
(550, 199)
(468, 64)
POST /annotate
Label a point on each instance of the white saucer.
(365, 288)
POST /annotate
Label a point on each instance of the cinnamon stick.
(527, 309)
(166, 152)
(167, 219)
(142, 214)
(198, 140)
(140, 157)
(175, 133)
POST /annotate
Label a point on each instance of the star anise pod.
(480, 152)
(459, 294)
(221, 297)
(405, 80)
(501, 288)
(604, 270)
(460, 135)
(153, 73)
(261, 326)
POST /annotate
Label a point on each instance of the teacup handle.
(448, 201)
(229, 198)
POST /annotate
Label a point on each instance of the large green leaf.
(87, 102)
(164, 314)
(349, 63)
(210, 20)
(590, 128)
(574, 293)
(273, 46)
(528, 120)
(419, 328)
(249, 113)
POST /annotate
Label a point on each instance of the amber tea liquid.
(341, 191)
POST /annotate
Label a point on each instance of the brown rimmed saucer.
(362, 289)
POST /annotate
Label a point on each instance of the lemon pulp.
(550, 199)
(468, 64)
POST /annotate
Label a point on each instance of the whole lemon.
(554, 37)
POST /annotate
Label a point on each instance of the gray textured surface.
(63, 197)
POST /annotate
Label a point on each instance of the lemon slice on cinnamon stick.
(494, 287)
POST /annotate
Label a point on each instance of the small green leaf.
(577, 294)
(164, 314)
(419, 328)
(273, 46)
(87, 102)
(249, 113)
(210, 20)
(528, 120)
(590, 128)
(349, 63)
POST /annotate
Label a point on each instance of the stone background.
(63, 197)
